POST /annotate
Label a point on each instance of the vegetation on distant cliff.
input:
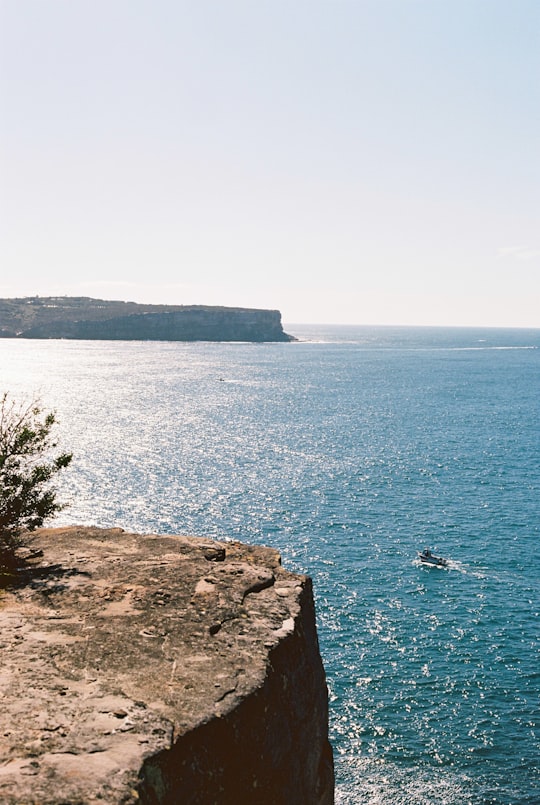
(81, 317)
(27, 468)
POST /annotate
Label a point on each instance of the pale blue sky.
(348, 161)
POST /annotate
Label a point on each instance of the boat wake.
(454, 565)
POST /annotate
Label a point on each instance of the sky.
(343, 161)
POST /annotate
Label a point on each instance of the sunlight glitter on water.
(348, 458)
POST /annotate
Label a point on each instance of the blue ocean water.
(348, 451)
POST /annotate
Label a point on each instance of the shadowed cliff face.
(161, 670)
(85, 318)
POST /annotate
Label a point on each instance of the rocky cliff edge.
(160, 669)
(82, 317)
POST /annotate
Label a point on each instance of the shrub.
(27, 468)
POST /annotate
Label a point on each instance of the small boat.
(429, 558)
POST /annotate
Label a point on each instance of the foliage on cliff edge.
(28, 465)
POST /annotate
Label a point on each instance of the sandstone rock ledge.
(160, 669)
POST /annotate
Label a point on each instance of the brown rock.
(160, 669)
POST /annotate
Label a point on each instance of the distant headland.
(81, 317)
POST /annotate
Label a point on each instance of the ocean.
(348, 451)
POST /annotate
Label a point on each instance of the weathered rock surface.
(160, 669)
(86, 318)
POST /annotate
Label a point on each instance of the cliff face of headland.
(85, 318)
(160, 670)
